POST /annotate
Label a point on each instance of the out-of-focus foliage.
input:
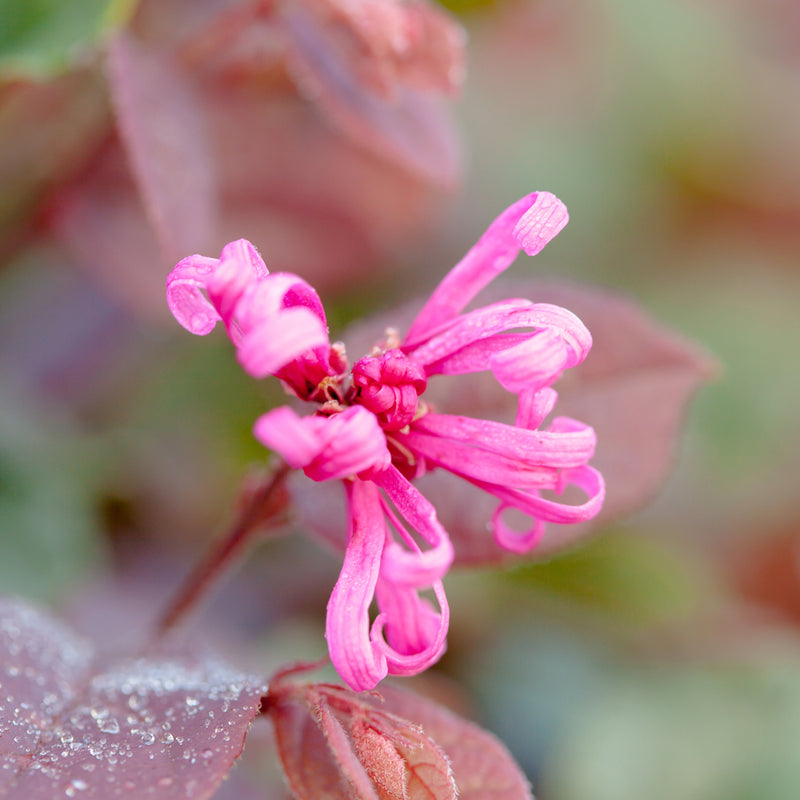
(43, 37)
(691, 732)
(48, 529)
(629, 579)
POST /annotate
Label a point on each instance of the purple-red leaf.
(153, 727)
(336, 744)
(164, 133)
(283, 163)
(482, 767)
(377, 68)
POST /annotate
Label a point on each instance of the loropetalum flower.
(371, 428)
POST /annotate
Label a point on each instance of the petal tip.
(541, 223)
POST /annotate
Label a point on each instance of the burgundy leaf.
(48, 131)
(164, 133)
(634, 389)
(307, 179)
(310, 768)
(104, 228)
(235, 788)
(378, 70)
(157, 727)
(283, 166)
(334, 743)
(381, 760)
(482, 767)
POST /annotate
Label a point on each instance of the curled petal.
(473, 334)
(534, 406)
(240, 265)
(572, 331)
(354, 444)
(413, 567)
(279, 339)
(358, 659)
(586, 478)
(530, 223)
(477, 464)
(325, 448)
(568, 443)
(476, 356)
(185, 298)
(476, 326)
(244, 257)
(416, 634)
(273, 294)
(295, 438)
(541, 510)
(532, 364)
(541, 223)
(512, 540)
(297, 292)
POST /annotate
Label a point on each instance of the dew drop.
(192, 701)
(111, 726)
(164, 782)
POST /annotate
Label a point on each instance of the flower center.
(389, 385)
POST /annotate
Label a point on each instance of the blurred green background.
(660, 659)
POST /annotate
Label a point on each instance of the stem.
(267, 505)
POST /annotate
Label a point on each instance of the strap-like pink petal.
(239, 266)
(532, 364)
(542, 510)
(534, 405)
(476, 464)
(291, 436)
(530, 224)
(444, 352)
(278, 339)
(326, 448)
(411, 566)
(566, 444)
(416, 634)
(513, 540)
(357, 658)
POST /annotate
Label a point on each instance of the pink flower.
(372, 429)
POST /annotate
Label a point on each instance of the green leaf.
(40, 38)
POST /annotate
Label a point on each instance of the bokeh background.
(661, 658)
